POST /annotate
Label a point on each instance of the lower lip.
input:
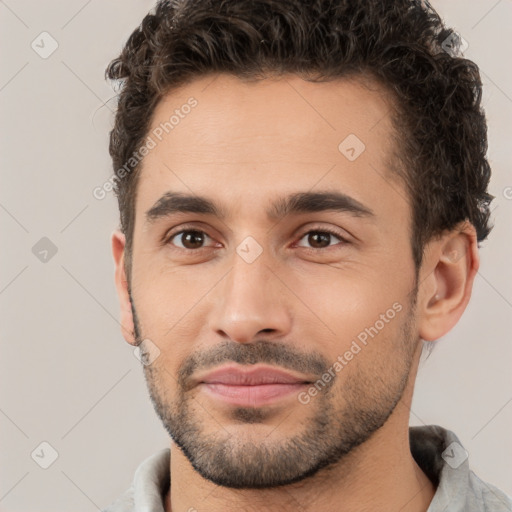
(251, 396)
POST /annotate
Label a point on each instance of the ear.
(446, 277)
(127, 326)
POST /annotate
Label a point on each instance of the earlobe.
(118, 252)
(453, 262)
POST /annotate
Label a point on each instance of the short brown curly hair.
(441, 130)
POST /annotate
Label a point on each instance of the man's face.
(336, 310)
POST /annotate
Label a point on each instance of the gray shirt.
(436, 450)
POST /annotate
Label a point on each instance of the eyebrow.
(293, 204)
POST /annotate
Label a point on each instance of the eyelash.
(167, 239)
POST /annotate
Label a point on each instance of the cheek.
(166, 298)
(350, 315)
(172, 308)
(343, 299)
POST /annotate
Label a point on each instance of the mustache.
(264, 351)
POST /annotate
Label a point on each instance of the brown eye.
(190, 239)
(321, 238)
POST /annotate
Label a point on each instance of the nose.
(251, 300)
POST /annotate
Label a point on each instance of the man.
(302, 189)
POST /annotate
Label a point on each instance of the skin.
(243, 146)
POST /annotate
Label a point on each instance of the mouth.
(252, 388)
(252, 396)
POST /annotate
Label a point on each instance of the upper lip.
(237, 375)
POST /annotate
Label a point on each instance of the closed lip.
(239, 376)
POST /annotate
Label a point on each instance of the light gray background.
(67, 376)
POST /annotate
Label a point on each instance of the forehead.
(246, 140)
